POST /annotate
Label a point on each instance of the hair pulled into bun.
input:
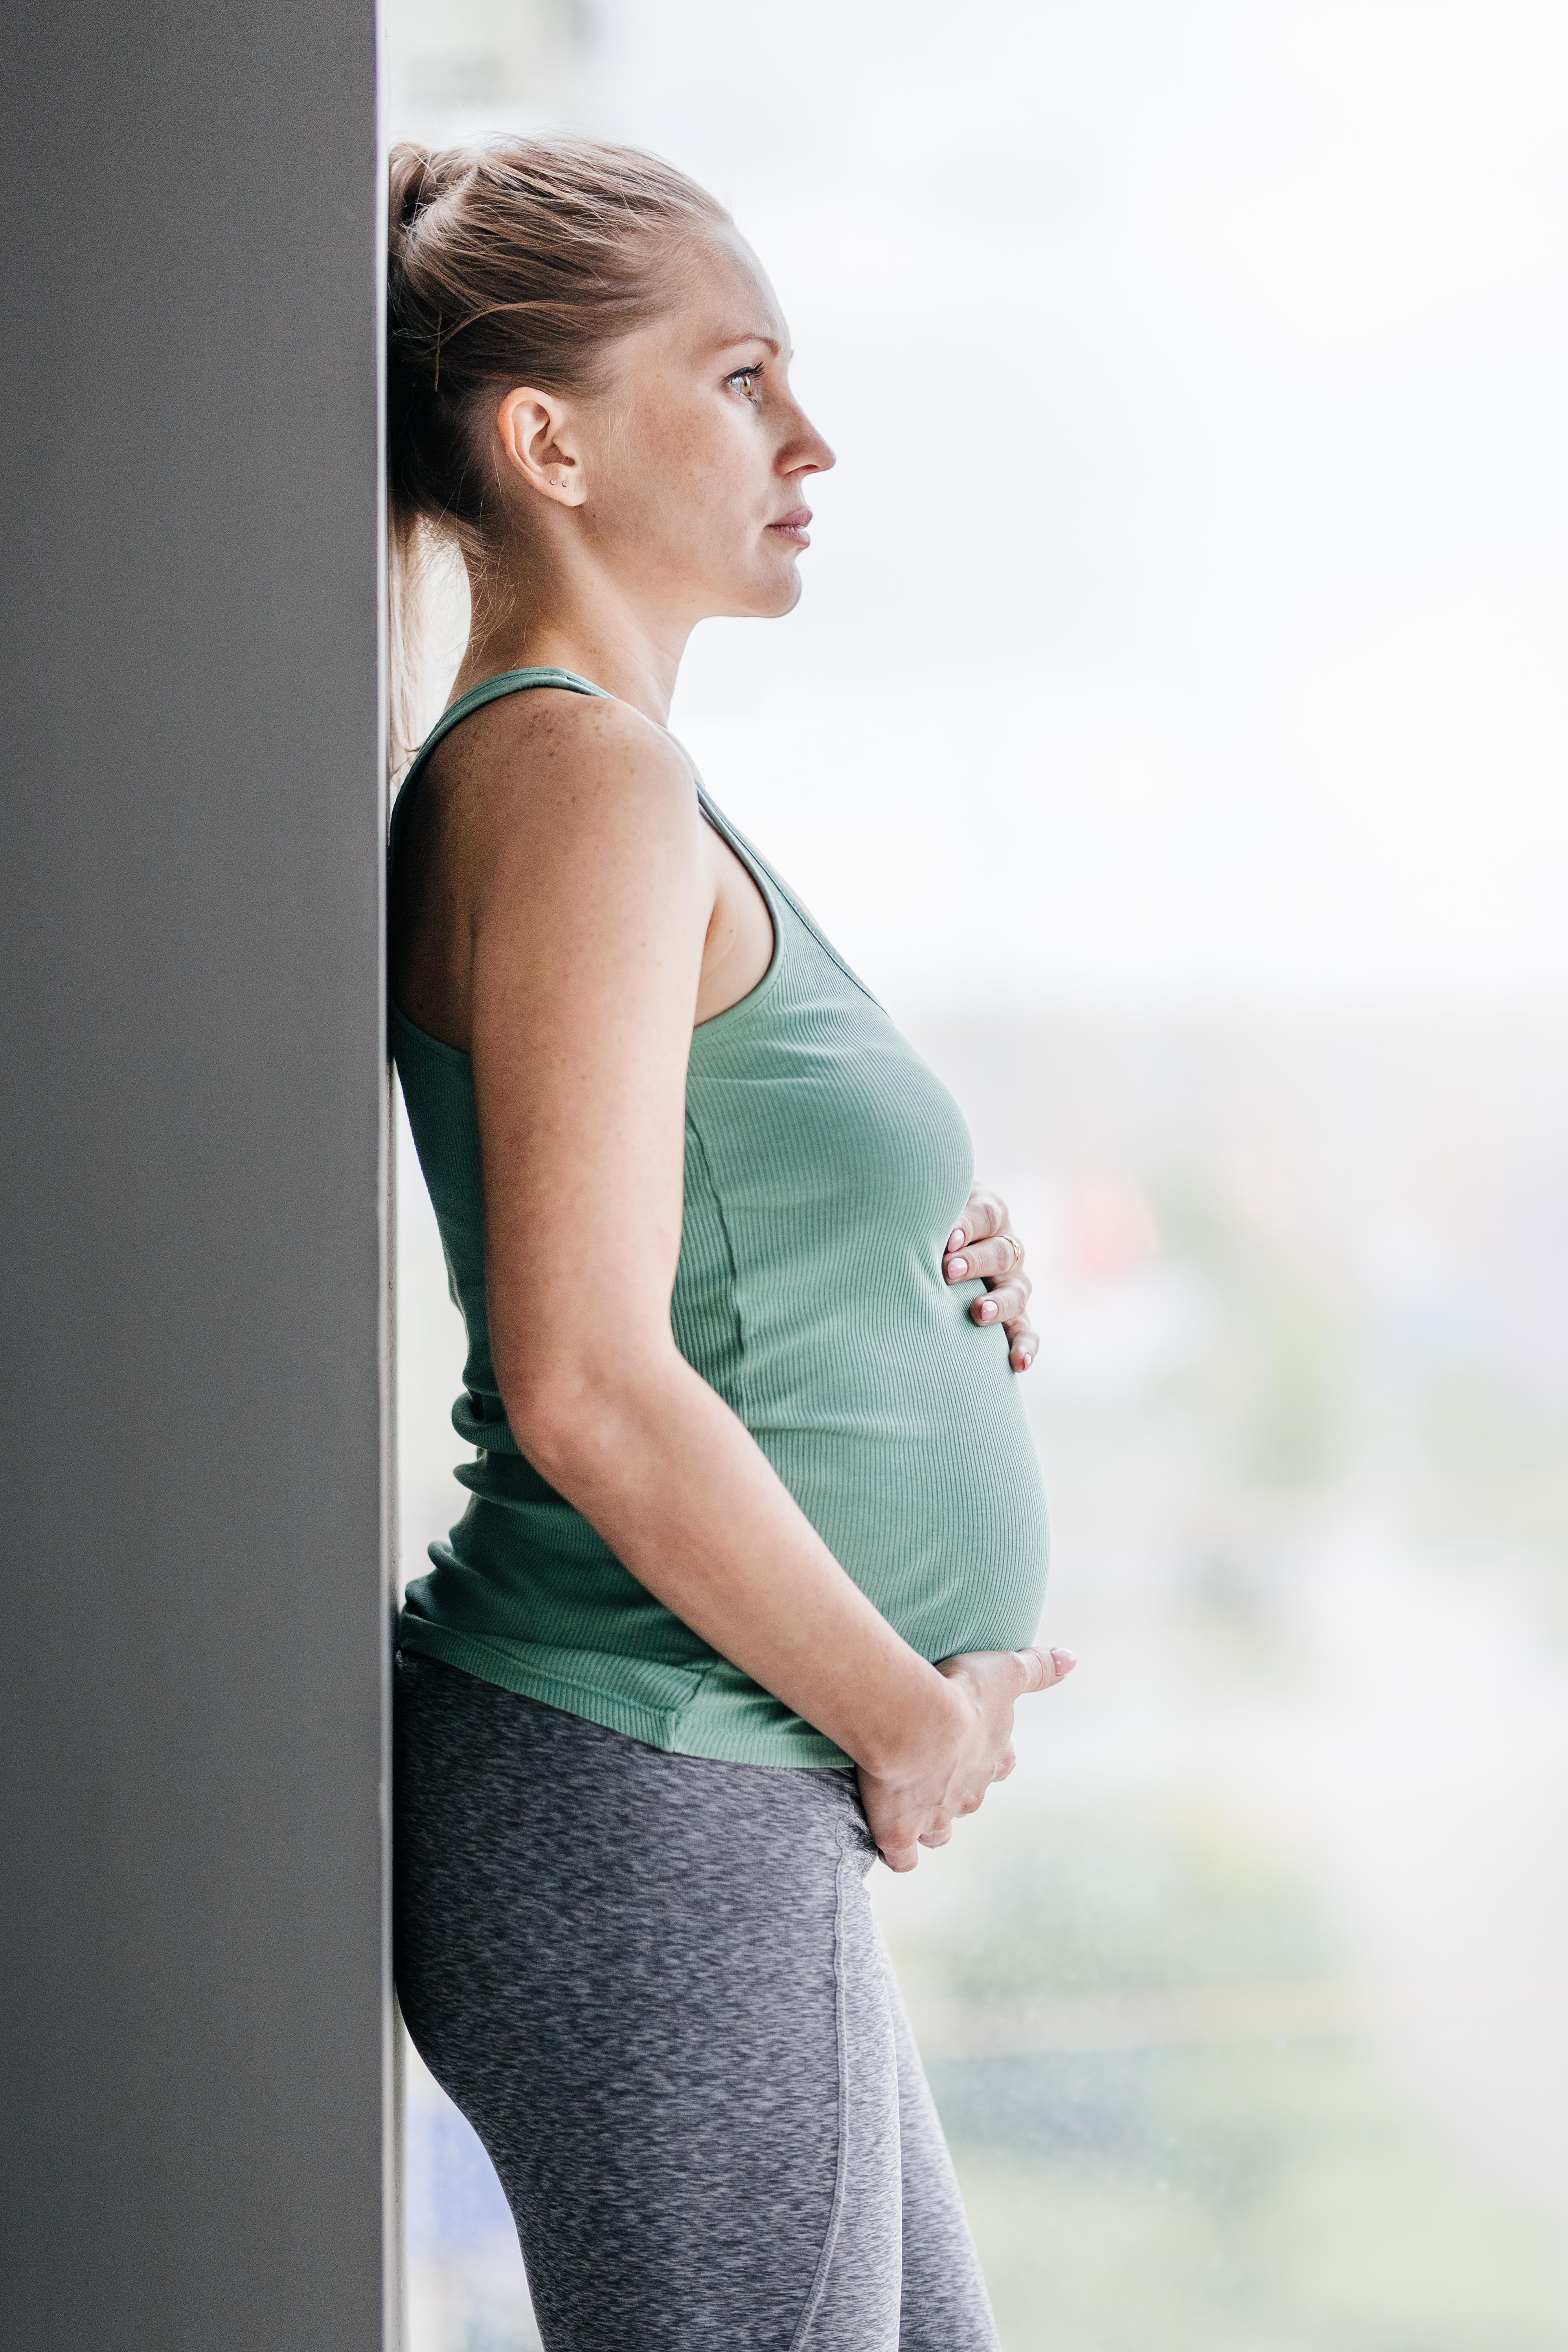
(515, 262)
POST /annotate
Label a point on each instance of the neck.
(591, 627)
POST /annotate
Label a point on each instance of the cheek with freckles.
(670, 484)
(687, 491)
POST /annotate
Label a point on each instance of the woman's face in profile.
(697, 454)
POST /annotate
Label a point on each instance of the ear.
(539, 444)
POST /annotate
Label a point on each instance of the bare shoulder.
(548, 822)
(550, 769)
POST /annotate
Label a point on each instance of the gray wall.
(191, 1137)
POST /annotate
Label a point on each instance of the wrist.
(932, 1713)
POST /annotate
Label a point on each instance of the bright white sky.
(1192, 588)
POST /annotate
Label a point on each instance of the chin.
(765, 598)
(776, 597)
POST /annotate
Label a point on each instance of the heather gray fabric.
(654, 1984)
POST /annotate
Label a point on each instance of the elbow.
(551, 1420)
(572, 1420)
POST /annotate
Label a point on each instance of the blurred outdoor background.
(1173, 734)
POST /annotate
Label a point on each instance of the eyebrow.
(733, 343)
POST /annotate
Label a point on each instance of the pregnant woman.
(755, 1545)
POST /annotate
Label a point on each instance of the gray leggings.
(654, 1986)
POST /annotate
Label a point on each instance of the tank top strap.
(490, 690)
(774, 886)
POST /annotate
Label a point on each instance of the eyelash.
(741, 375)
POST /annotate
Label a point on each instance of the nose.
(810, 454)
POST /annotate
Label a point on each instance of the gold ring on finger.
(1017, 1248)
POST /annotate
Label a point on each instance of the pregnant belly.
(940, 1521)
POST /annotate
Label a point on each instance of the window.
(1171, 732)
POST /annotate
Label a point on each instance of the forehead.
(724, 298)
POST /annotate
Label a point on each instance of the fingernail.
(955, 1238)
(957, 1267)
(988, 1310)
(1064, 1660)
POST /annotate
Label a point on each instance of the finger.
(984, 1213)
(937, 1837)
(1043, 1669)
(989, 1213)
(900, 1857)
(1004, 1304)
(1023, 1344)
(984, 1260)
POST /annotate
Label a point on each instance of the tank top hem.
(678, 1731)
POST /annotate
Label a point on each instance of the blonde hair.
(514, 262)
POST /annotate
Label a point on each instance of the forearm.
(686, 1500)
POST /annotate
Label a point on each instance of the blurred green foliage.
(1242, 2201)
(1107, 1900)
(1275, 1385)
(1265, 2197)
(1493, 1464)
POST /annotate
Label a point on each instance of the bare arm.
(591, 897)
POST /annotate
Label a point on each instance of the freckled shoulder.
(558, 747)
(556, 759)
(563, 806)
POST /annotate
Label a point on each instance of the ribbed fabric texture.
(825, 1166)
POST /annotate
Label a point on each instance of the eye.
(744, 380)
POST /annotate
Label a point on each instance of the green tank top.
(824, 1167)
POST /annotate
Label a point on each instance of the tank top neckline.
(774, 893)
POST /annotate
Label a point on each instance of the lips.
(792, 526)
